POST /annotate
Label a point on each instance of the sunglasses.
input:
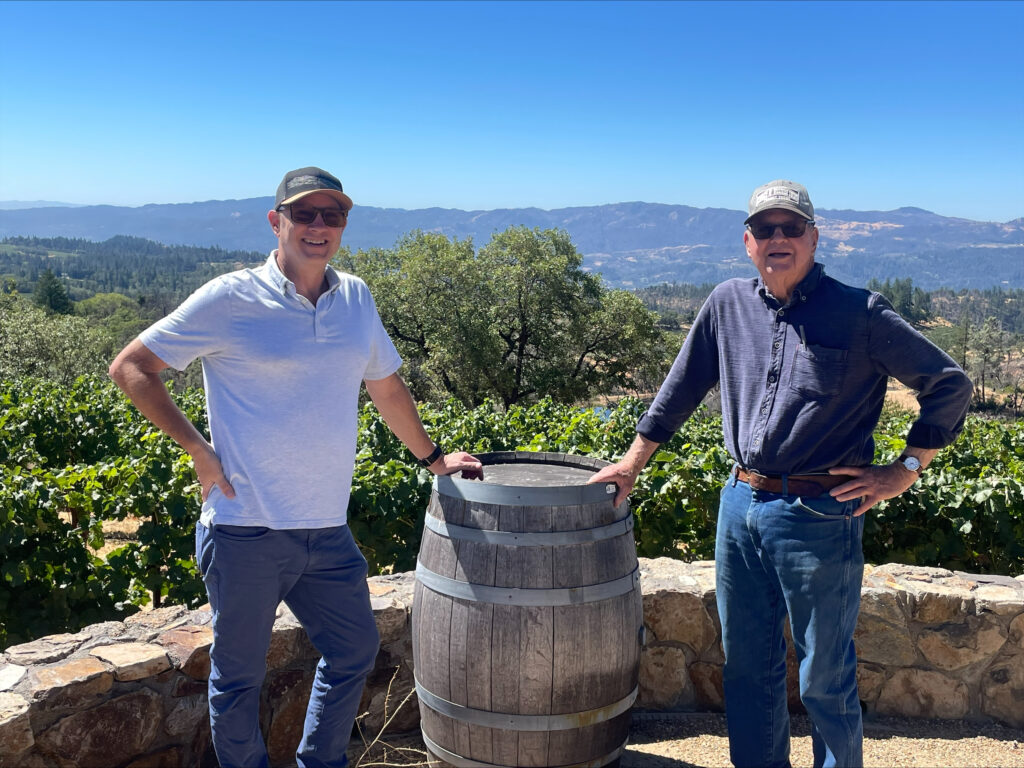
(333, 217)
(789, 229)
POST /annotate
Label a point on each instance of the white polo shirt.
(282, 380)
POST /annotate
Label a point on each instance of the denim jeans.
(777, 555)
(321, 575)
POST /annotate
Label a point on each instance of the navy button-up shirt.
(803, 383)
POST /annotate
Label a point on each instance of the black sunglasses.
(789, 229)
(333, 217)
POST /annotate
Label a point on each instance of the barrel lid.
(530, 478)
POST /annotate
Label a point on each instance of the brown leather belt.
(796, 485)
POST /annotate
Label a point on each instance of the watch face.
(912, 463)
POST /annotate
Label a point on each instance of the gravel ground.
(699, 741)
(685, 741)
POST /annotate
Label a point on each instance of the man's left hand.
(872, 484)
(460, 461)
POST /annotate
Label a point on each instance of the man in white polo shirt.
(284, 349)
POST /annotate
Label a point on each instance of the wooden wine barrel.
(528, 618)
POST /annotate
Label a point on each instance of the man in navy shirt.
(803, 362)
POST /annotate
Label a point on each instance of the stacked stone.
(932, 643)
(941, 644)
(133, 693)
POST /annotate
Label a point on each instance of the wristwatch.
(435, 454)
(910, 463)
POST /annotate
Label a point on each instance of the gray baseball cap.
(780, 193)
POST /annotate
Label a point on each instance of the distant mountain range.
(631, 244)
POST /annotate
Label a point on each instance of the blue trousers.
(321, 575)
(777, 555)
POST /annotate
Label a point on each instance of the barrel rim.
(528, 495)
(542, 457)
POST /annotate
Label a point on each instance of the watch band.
(435, 454)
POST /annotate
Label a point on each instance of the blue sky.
(482, 105)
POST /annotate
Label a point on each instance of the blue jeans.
(777, 555)
(321, 575)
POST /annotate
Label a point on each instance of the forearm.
(394, 402)
(639, 453)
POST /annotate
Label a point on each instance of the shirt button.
(782, 312)
(777, 344)
(757, 442)
(771, 379)
(764, 411)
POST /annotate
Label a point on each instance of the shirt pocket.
(818, 371)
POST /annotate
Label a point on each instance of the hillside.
(631, 244)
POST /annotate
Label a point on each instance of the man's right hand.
(210, 473)
(628, 469)
(621, 474)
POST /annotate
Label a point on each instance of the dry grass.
(398, 750)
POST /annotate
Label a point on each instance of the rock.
(674, 605)
(10, 674)
(678, 616)
(999, 599)
(936, 595)
(922, 693)
(664, 681)
(707, 685)
(110, 734)
(883, 604)
(165, 758)
(289, 691)
(956, 646)
(44, 650)
(880, 642)
(870, 680)
(703, 572)
(289, 642)
(398, 706)
(391, 616)
(73, 679)
(399, 586)
(1016, 631)
(283, 650)
(186, 715)
(15, 727)
(187, 686)
(188, 648)
(387, 687)
(150, 622)
(1003, 691)
(940, 604)
(133, 661)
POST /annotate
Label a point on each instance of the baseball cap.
(780, 194)
(305, 181)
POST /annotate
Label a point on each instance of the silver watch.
(910, 463)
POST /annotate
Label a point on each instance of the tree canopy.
(51, 295)
(517, 320)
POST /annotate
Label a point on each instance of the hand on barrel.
(621, 474)
(460, 461)
(627, 470)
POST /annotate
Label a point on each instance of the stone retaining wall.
(932, 643)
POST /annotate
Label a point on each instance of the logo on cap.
(784, 194)
(301, 181)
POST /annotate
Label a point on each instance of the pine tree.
(50, 294)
